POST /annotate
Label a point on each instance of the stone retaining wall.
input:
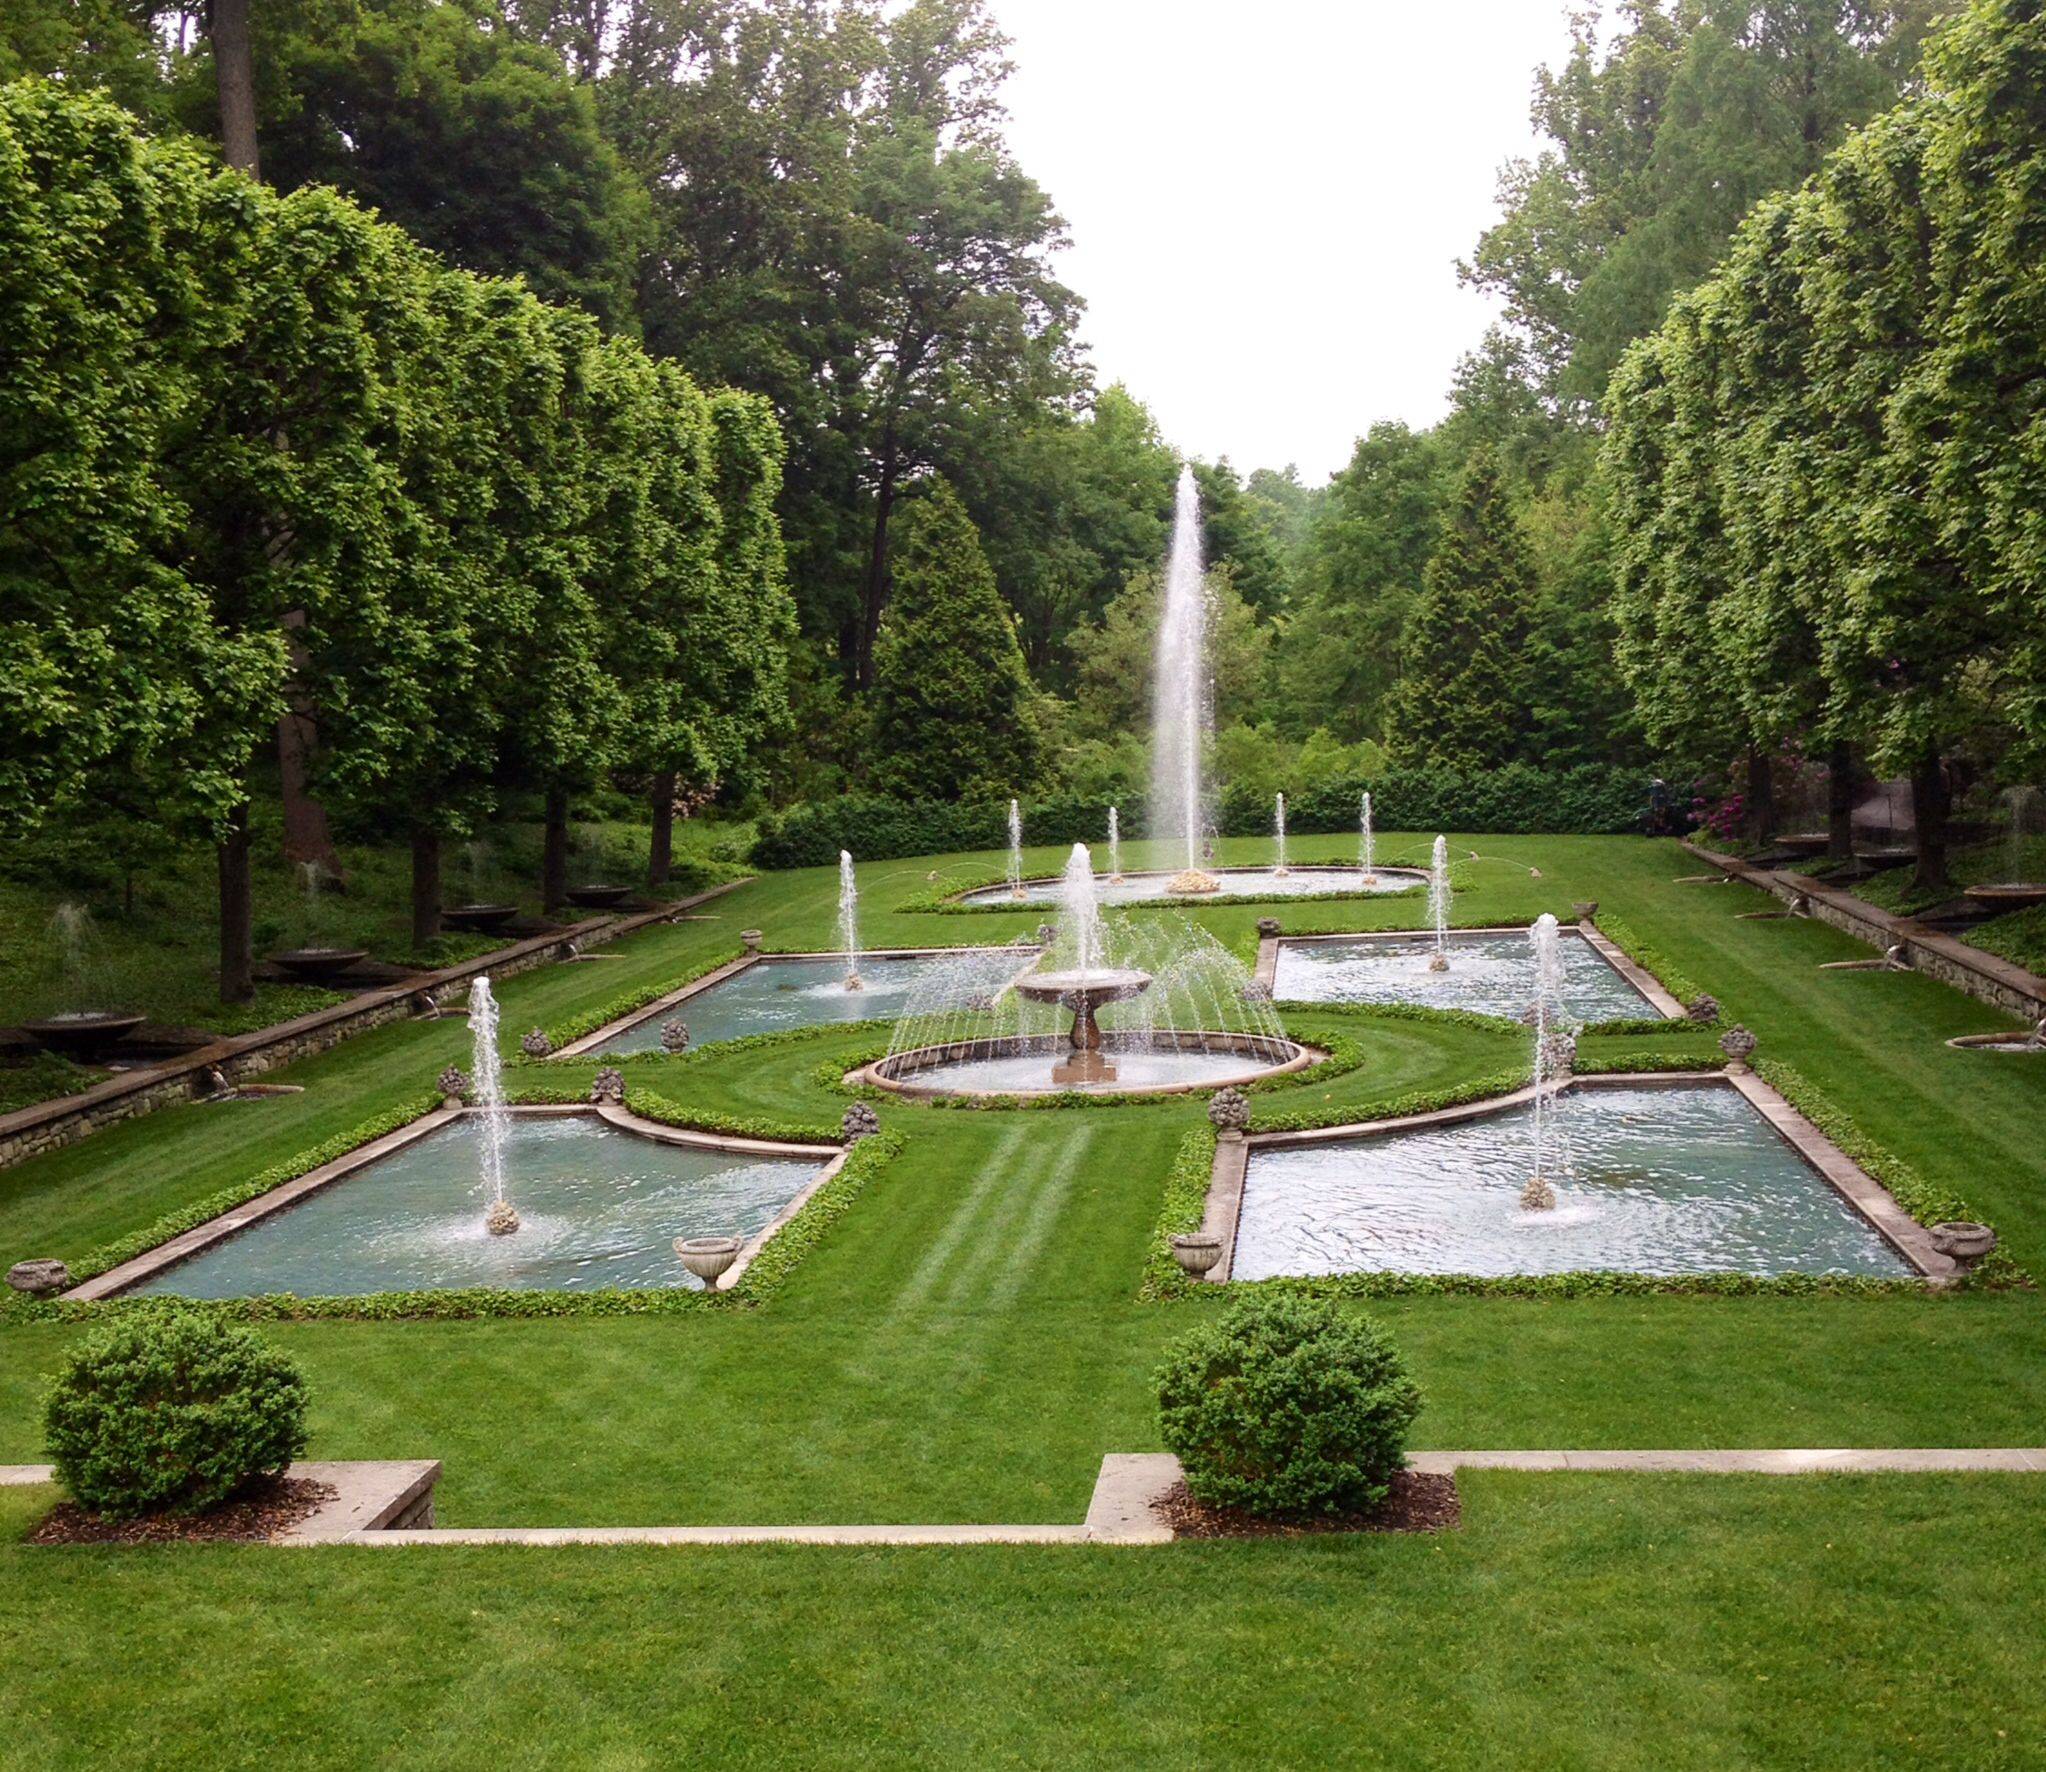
(50, 1125)
(1987, 977)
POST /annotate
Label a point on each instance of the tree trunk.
(1929, 813)
(1840, 785)
(1761, 798)
(554, 852)
(307, 836)
(660, 855)
(234, 74)
(237, 913)
(877, 576)
(426, 894)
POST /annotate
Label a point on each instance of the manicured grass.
(966, 1343)
(152, 943)
(1571, 1622)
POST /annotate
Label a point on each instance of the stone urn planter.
(1962, 1239)
(1197, 1252)
(1702, 1010)
(40, 1278)
(751, 940)
(607, 1087)
(599, 897)
(453, 1084)
(708, 1257)
(1739, 1046)
(675, 1035)
(860, 1122)
(536, 1044)
(478, 919)
(1268, 926)
(318, 965)
(1586, 908)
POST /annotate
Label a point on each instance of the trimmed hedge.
(1591, 800)
(172, 1413)
(1287, 1407)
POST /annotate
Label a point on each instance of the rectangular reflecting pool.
(1490, 972)
(1670, 1179)
(598, 1207)
(809, 991)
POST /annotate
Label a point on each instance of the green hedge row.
(1590, 800)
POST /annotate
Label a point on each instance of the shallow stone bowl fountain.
(478, 919)
(82, 1034)
(317, 965)
(1083, 992)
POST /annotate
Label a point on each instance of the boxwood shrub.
(172, 1412)
(1287, 1406)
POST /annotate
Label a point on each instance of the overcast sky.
(1267, 199)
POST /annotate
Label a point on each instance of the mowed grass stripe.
(965, 1213)
(1021, 1251)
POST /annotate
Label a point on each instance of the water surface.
(1491, 974)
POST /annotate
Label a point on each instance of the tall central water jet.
(849, 921)
(1280, 870)
(1438, 904)
(1365, 842)
(1114, 848)
(1555, 1050)
(1015, 850)
(487, 1068)
(1182, 708)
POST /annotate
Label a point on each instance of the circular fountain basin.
(81, 1033)
(478, 918)
(318, 964)
(1093, 987)
(1155, 886)
(598, 897)
(2010, 895)
(1141, 1064)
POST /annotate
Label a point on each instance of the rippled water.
(598, 1207)
(1492, 974)
(808, 993)
(1670, 1180)
(1236, 882)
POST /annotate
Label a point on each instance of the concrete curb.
(391, 1503)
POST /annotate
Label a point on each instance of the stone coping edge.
(1873, 1202)
(242, 1055)
(391, 1503)
(152, 1262)
(1983, 975)
(1632, 971)
(731, 969)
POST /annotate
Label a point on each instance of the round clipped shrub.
(1286, 1406)
(172, 1414)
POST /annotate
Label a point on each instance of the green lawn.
(965, 1345)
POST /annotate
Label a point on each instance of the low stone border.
(880, 1075)
(1985, 976)
(50, 1125)
(1869, 1198)
(1635, 974)
(745, 962)
(392, 1504)
(152, 1262)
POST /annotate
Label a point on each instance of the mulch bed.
(1420, 1501)
(255, 1516)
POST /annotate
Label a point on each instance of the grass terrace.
(969, 1338)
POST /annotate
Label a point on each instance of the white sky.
(1266, 200)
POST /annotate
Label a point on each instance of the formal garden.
(694, 1066)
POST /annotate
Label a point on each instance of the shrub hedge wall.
(1591, 800)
